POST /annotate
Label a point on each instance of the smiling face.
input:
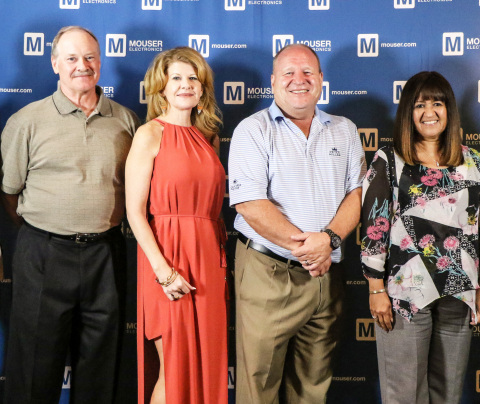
(77, 62)
(430, 118)
(183, 89)
(297, 82)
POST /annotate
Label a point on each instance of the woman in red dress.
(175, 185)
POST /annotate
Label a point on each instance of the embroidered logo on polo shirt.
(235, 185)
(334, 152)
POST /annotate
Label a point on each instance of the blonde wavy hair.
(156, 78)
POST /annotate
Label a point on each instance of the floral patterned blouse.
(420, 230)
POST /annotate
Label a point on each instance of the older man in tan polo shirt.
(63, 181)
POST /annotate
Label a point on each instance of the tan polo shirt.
(68, 169)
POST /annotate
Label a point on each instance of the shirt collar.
(65, 106)
(322, 117)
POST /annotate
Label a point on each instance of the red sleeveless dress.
(186, 196)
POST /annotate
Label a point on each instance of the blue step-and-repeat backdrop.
(368, 49)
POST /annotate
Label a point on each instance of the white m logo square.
(397, 90)
(151, 4)
(116, 45)
(201, 43)
(325, 96)
(235, 5)
(452, 44)
(318, 4)
(70, 4)
(369, 138)
(234, 92)
(280, 41)
(404, 3)
(33, 44)
(142, 96)
(367, 45)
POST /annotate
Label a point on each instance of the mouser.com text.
(229, 45)
(349, 378)
(15, 90)
(349, 92)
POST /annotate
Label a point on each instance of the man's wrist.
(335, 239)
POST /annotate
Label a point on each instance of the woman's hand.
(381, 309)
(178, 288)
(477, 308)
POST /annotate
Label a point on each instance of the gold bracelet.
(374, 292)
(172, 280)
(169, 280)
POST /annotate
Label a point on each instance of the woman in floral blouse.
(420, 247)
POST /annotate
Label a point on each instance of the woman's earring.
(199, 109)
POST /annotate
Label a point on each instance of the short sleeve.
(357, 164)
(248, 163)
(14, 149)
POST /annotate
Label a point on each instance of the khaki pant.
(286, 329)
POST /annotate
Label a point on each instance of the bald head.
(293, 46)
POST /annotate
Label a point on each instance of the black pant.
(66, 296)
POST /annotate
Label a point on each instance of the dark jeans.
(66, 297)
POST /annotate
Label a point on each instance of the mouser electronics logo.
(452, 44)
(365, 329)
(151, 4)
(143, 96)
(116, 45)
(318, 45)
(75, 4)
(369, 138)
(234, 92)
(397, 90)
(259, 92)
(70, 4)
(33, 44)
(67, 377)
(404, 3)
(239, 5)
(108, 91)
(279, 42)
(367, 45)
(455, 43)
(231, 377)
(201, 43)
(325, 96)
(318, 4)
(235, 5)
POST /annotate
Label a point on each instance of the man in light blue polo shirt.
(295, 177)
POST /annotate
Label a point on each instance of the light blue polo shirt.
(307, 179)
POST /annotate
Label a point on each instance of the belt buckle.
(81, 238)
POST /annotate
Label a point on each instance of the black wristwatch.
(335, 240)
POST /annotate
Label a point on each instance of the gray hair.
(69, 28)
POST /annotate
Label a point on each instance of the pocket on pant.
(263, 280)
